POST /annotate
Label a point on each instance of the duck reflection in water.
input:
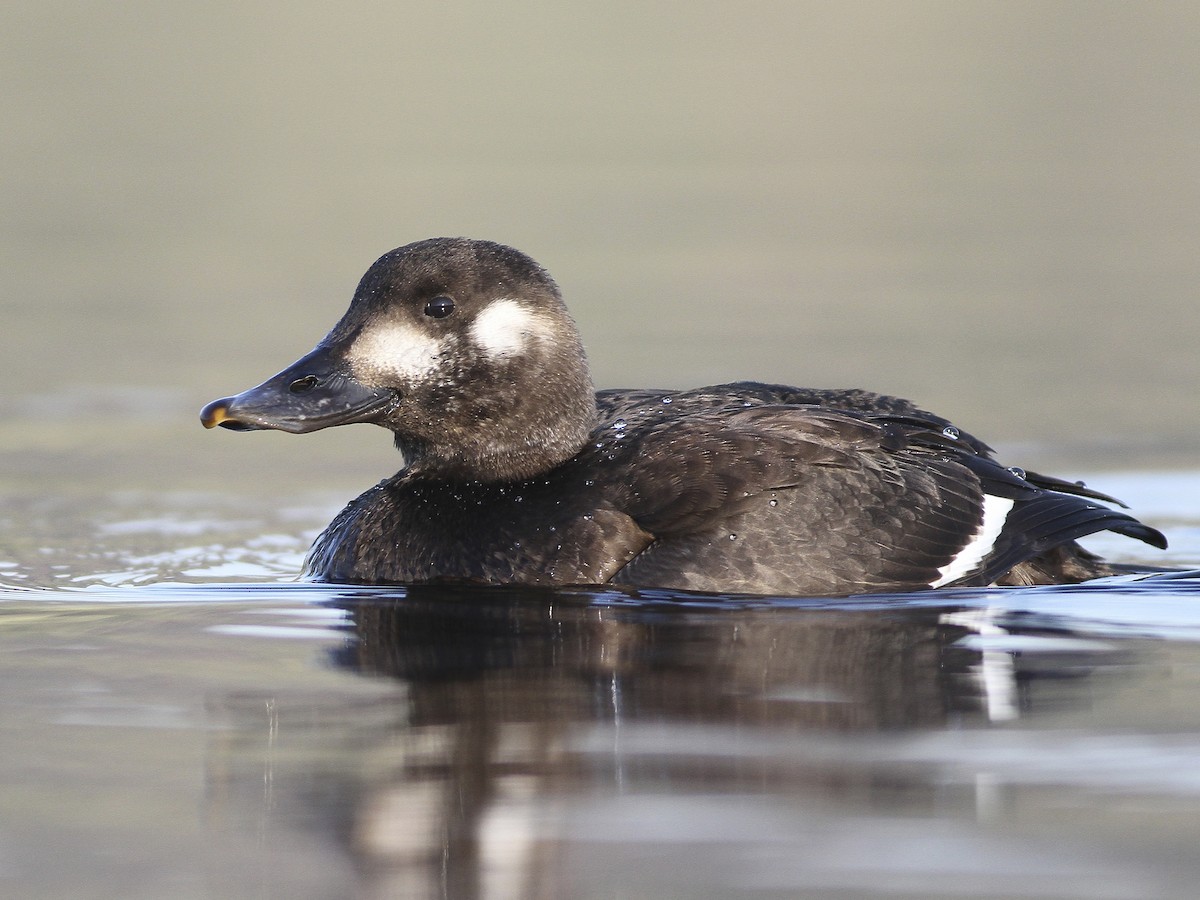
(527, 713)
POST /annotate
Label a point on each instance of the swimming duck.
(517, 471)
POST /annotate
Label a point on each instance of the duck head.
(462, 348)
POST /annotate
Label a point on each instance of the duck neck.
(546, 427)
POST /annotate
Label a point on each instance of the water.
(289, 741)
(181, 718)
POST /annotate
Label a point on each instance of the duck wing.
(834, 501)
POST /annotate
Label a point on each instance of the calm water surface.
(180, 718)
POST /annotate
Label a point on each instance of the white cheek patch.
(395, 352)
(505, 327)
(995, 513)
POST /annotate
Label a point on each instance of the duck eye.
(439, 307)
(305, 384)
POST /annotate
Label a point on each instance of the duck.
(517, 471)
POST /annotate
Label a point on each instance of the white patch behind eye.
(504, 328)
(396, 351)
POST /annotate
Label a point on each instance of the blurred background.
(992, 208)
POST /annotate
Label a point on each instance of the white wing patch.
(995, 514)
(504, 328)
(396, 351)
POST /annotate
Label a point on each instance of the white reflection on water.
(139, 538)
(276, 631)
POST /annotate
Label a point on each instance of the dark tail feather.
(1043, 519)
(1075, 488)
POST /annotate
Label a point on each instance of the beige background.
(993, 208)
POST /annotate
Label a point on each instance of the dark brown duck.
(517, 471)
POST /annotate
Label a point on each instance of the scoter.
(516, 471)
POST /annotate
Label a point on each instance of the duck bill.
(317, 391)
